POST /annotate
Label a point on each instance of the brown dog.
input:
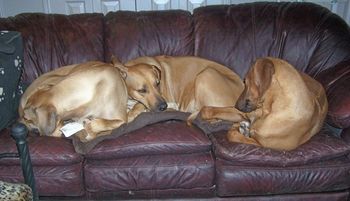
(281, 107)
(92, 93)
(181, 83)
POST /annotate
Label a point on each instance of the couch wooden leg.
(19, 132)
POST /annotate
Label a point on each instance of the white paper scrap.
(71, 128)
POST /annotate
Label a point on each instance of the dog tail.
(115, 61)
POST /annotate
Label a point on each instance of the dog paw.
(206, 113)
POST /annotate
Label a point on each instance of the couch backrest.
(129, 35)
(52, 40)
(309, 36)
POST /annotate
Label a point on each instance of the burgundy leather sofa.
(169, 159)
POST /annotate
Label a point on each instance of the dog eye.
(142, 91)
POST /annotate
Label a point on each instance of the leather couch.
(169, 159)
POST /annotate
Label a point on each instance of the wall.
(13, 7)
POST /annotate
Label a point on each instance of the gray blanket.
(148, 118)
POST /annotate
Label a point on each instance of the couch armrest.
(336, 81)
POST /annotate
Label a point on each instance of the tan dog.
(92, 93)
(181, 83)
(282, 108)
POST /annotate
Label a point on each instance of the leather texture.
(168, 159)
(177, 171)
(129, 35)
(204, 193)
(336, 81)
(307, 35)
(43, 150)
(321, 147)
(172, 137)
(51, 41)
(58, 170)
(50, 180)
(245, 179)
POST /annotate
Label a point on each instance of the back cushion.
(308, 36)
(148, 33)
(52, 40)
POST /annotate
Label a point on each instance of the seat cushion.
(234, 178)
(321, 164)
(320, 147)
(47, 151)
(58, 170)
(49, 180)
(180, 171)
(170, 137)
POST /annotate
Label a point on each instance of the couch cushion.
(53, 40)
(58, 170)
(320, 147)
(47, 151)
(129, 35)
(49, 180)
(336, 82)
(175, 171)
(170, 137)
(235, 178)
(309, 36)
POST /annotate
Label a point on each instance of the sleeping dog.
(180, 83)
(92, 93)
(280, 107)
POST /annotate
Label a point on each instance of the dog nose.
(162, 106)
(244, 105)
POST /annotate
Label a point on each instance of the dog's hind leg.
(215, 89)
(95, 127)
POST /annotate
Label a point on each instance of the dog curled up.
(280, 107)
(92, 93)
(184, 84)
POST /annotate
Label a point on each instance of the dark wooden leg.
(19, 132)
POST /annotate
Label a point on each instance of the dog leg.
(137, 109)
(223, 113)
(96, 127)
(57, 132)
(234, 135)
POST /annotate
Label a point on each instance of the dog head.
(42, 119)
(143, 84)
(257, 81)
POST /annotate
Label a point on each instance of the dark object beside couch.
(169, 159)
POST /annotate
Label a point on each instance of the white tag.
(71, 128)
(173, 105)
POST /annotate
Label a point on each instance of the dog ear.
(47, 118)
(157, 71)
(122, 69)
(263, 72)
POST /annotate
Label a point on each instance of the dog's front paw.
(206, 113)
(89, 126)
